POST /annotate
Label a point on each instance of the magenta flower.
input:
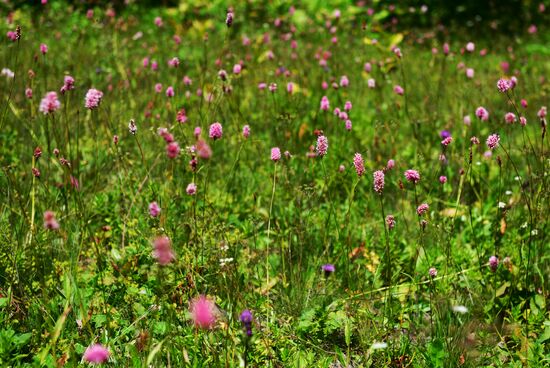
(413, 176)
(447, 141)
(162, 250)
(359, 164)
(158, 88)
(398, 90)
(216, 131)
(522, 121)
(68, 84)
(503, 85)
(49, 103)
(203, 149)
(174, 62)
(170, 91)
(390, 165)
(493, 140)
(203, 312)
(43, 48)
(510, 117)
(28, 93)
(470, 47)
(344, 81)
(191, 189)
(246, 131)
(237, 69)
(325, 105)
(96, 354)
(275, 154)
(493, 263)
(50, 222)
(390, 221)
(378, 181)
(422, 209)
(347, 106)
(442, 179)
(348, 124)
(173, 149)
(154, 209)
(322, 145)
(93, 98)
(482, 113)
(542, 112)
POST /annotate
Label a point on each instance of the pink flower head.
(510, 117)
(446, 48)
(12, 36)
(341, 168)
(467, 120)
(191, 189)
(359, 164)
(158, 21)
(322, 145)
(371, 83)
(422, 209)
(378, 181)
(272, 87)
(43, 48)
(203, 149)
(28, 93)
(246, 131)
(442, 179)
(470, 47)
(145, 62)
(542, 112)
(347, 106)
(170, 91)
(492, 141)
(216, 131)
(237, 69)
(390, 165)
(493, 263)
(162, 250)
(290, 87)
(348, 124)
(482, 113)
(181, 117)
(49, 103)
(262, 86)
(447, 141)
(173, 149)
(154, 65)
(344, 81)
(503, 85)
(432, 272)
(532, 29)
(187, 81)
(96, 354)
(275, 154)
(470, 73)
(203, 312)
(68, 84)
(158, 88)
(154, 209)
(474, 140)
(367, 67)
(398, 90)
(522, 121)
(397, 52)
(174, 62)
(93, 98)
(390, 221)
(413, 176)
(177, 39)
(325, 105)
(50, 222)
(523, 103)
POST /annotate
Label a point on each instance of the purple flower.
(492, 141)
(359, 164)
(328, 269)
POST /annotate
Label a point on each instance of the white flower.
(379, 345)
(501, 205)
(508, 192)
(460, 309)
(534, 232)
(8, 73)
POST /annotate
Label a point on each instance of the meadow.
(272, 185)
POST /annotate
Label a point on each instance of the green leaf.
(502, 289)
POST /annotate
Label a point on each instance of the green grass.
(95, 278)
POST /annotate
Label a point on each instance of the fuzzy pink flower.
(359, 164)
(154, 209)
(93, 98)
(43, 48)
(96, 354)
(522, 121)
(216, 131)
(413, 176)
(432, 272)
(158, 88)
(470, 47)
(158, 21)
(447, 141)
(325, 105)
(510, 117)
(422, 209)
(191, 189)
(398, 90)
(482, 113)
(28, 93)
(390, 165)
(347, 106)
(467, 120)
(290, 87)
(470, 73)
(203, 312)
(378, 181)
(493, 263)
(237, 69)
(68, 84)
(170, 91)
(348, 124)
(503, 85)
(523, 103)
(246, 131)
(344, 81)
(162, 250)
(322, 145)
(173, 149)
(50, 222)
(442, 179)
(49, 103)
(275, 154)
(492, 141)
(542, 112)
(174, 62)
(371, 83)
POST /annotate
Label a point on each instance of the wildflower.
(474, 140)
(237, 69)
(398, 90)
(50, 222)
(467, 120)
(28, 93)
(170, 91)
(158, 88)
(229, 17)
(397, 52)
(379, 345)
(542, 112)
(447, 141)
(446, 48)
(162, 250)
(275, 154)
(347, 106)
(470, 47)
(422, 209)
(470, 73)
(359, 164)
(344, 81)
(432, 272)
(272, 87)
(262, 86)
(93, 98)
(341, 168)
(442, 179)
(503, 85)
(523, 103)
(322, 145)
(371, 83)
(203, 312)
(50, 103)
(492, 141)
(174, 62)
(413, 176)
(12, 36)
(460, 309)
(132, 127)
(158, 21)
(348, 124)
(378, 181)
(154, 65)
(246, 319)
(522, 121)
(154, 209)
(390, 165)
(181, 117)
(223, 75)
(68, 84)
(290, 87)
(325, 105)
(43, 48)
(367, 67)
(493, 263)
(215, 131)
(246, 131)
(191, 189)
(482, 113)
(96, 354)
(328, 269)
(203, 149)
(510, 117)
(390, 221)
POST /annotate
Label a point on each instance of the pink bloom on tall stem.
(447, 141)
(470, 47)
(359, 164)
(191, 189)
(390, 221)
(246, 131)
(68, 84)
(503, 85)
(203, 149)
(422, 209)
(442, 179)
(154, 209)
(378, 181)
(482, 113)
(347, 106)
(348, 124)
(93, 98)
(49, 103)
(344, 81)
(174, 62)
(96, 354)
(492, 141)
(203, 312)
(493, 263)
(50, 221)
(413, 176)
(325, 105)
(371, 83)
(398, 90)
(173, 149)
(237, 69)
(162, 250)
(322, 145)
(43, 48)
(275, 154)
(390, 165)
(216, 131)
(170, 91)
(542, 112)
(158, 21)
(510, 117)
(28, 93)
(522, 121)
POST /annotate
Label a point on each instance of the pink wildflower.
(413, 176)
(162, 250)
(422, 209)
(510, 117)
(50, 222)
(216, 131)
(503, 85)
(173, 149)
(378, 181)
(322, 145)
(359, 164)
(93, 98)
(96, 354)
(203, 312)
(191, 189)
(492, 141)
(154, 209)
(482, 113)
(398, 90)
(50, 103)
(390, 221)
(43, 48)
(170, 91)
(246, 131)
(275, 154)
